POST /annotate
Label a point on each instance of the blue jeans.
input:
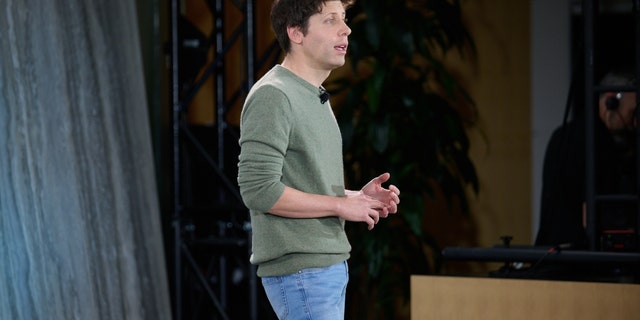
(310, 294)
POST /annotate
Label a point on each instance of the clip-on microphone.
(324, 96)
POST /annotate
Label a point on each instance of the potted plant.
(400, 110)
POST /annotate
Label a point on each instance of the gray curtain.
(80, 232)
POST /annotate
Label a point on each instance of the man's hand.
(390, 197)
(359, 207)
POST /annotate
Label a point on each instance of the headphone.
(613, 102)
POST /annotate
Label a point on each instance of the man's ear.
(295, 35)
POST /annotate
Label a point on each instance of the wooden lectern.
(464, 298)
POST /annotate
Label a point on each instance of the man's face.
(325, 44)
(622, 117)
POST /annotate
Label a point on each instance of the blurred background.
(472, 91)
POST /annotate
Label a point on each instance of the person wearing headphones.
(563, 209)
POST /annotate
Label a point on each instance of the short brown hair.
(295, 13)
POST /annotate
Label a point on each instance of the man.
(290, 171)
(563, 210)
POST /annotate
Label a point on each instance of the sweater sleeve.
(264, 137)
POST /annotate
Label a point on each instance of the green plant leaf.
(401, 115)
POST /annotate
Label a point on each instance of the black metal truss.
(590, 12)
(210, 243)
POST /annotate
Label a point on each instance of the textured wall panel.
(80, 234)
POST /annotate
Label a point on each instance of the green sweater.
(287, 137)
